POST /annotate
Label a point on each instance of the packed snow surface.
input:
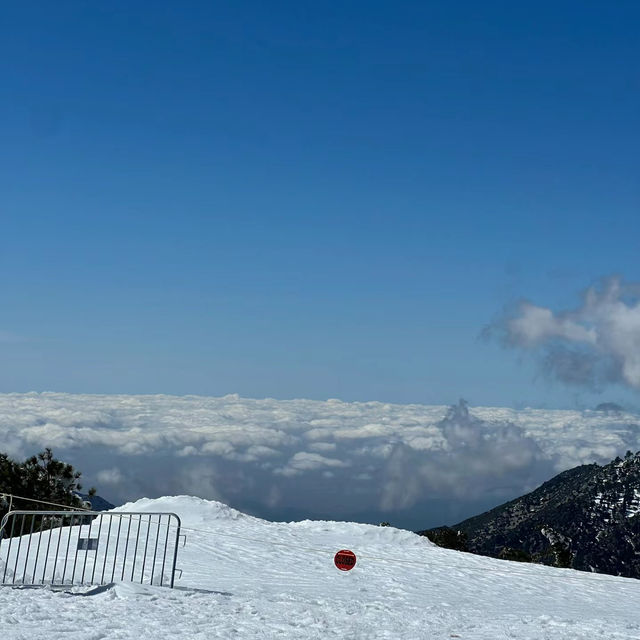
(248, 578)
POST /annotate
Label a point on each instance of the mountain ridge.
(586, 518)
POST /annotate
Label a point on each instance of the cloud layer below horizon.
(303, 458)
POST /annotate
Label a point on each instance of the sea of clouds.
(412, 465)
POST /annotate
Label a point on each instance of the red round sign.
(345, 560)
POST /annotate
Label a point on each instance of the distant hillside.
(586, 518)
(609, 407)
(97, 503)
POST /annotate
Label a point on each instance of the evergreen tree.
(447, 538)
(40, 477)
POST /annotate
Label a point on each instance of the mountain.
(97, 502)
(609, 407)
(586, 518)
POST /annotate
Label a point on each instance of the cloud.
(111, 476)
(535, 325)
(303, 458)
(593, 345)
(476, 458)
(305, 461)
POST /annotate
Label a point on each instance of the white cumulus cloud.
(594, 344)
(111, 476)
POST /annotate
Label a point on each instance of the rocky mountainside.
(586, 518)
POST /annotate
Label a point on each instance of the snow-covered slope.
(248, 578)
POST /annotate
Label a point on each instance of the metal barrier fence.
(88, 548)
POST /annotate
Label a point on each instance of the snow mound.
(249, 578)
(192, 511)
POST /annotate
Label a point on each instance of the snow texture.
(248, 578)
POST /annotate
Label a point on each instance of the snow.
(249, 578)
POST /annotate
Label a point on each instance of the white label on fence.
(87, 544)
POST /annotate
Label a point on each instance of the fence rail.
(88, 547)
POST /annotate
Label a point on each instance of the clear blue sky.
(312, 200)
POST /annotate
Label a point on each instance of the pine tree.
(40, 477)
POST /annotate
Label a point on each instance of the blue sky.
(293, 200)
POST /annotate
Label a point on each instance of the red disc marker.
(345, 560)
